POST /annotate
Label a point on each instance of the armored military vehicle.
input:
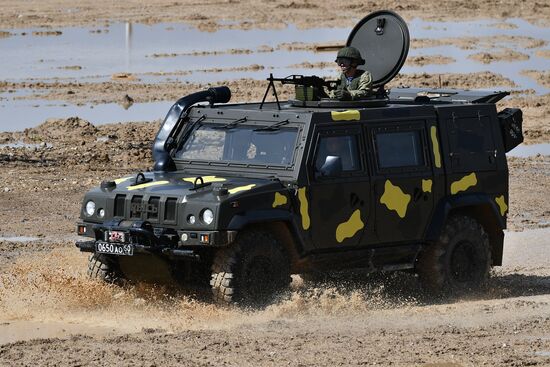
(241, 196)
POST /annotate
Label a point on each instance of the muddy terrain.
(210, 16)
(52, 314)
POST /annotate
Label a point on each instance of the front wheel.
(103, 268)
(459, 261)
(251, 271)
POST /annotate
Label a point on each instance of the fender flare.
(479, 206)
(266, 216)
(450, 203)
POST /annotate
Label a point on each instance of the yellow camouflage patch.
(304, 208)
(241, 188)
(435, 144)
(279, 200)
(121, 180)
(148, 184)
(349, 228)
(501, 202)
(464, 183)
(395, 199)
(427, 185)
(206, 179)
(348, 115)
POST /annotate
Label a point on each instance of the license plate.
(116, 236)
(114, 248)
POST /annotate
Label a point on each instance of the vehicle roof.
(398, 98)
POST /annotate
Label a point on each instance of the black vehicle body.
(339, 185)
(378, 215)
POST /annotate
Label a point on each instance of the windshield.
(242, 144)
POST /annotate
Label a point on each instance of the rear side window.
(471, 144)
(399, 149)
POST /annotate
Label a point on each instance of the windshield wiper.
(232, 124)
(273, 127)
(171, 142)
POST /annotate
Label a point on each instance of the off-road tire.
(102, 268)
(250, 272)
(459, 262)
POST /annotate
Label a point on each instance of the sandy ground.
(254, 13)
(51, 314)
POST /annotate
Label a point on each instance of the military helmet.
(350, 53)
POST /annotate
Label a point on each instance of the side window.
(471, 144)
(399, 149)
(343, 146)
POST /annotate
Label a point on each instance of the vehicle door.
(339, 205)
(403, 180)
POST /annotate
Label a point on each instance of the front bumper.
(90, 246)
(149, 240)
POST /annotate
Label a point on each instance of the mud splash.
(55, 288)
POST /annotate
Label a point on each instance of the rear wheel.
(103, 268)
(251, 271)
(459, 261)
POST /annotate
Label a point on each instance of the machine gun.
(307, 88)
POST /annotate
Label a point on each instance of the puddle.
(18, 239)
(22, 145)
(524, 150)
(543, 353)
(83, 55)
(21, 114)
(129, 48)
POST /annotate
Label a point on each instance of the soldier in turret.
(354, 83)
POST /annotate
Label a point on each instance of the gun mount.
(382, 38)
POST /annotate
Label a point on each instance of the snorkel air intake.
(175, 121)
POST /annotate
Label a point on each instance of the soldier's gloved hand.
(342, 94)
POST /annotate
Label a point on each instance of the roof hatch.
(383, 39)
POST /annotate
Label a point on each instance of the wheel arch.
(477, 206)
(278, 222)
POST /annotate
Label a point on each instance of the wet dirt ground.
(51, 314)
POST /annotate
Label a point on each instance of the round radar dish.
(383, 39)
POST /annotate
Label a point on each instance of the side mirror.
(332, 166)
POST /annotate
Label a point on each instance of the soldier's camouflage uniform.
(359, 87)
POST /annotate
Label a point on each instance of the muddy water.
(81, 53)
(482, 28)
(22, 114)
(163, 52)
(50, 295)
(525, 150)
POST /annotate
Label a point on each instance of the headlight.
(90, 208)
(207, 216)
(191, 219)
(101, 213)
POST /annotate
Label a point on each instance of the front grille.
(119, 205)
(170, 209)
(148, 209)
(153, 208)
(135, 207)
